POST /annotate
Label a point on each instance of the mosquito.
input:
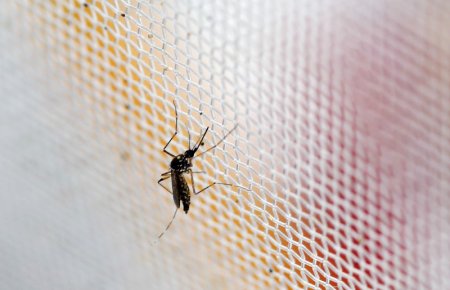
(180, 165)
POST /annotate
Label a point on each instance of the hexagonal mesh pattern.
(343, 139)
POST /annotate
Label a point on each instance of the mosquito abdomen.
(180, 190)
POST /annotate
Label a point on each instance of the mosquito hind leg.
(162, 185)
(168, 225)
(192, 181)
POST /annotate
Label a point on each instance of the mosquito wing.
(180, 191)
(176, 188)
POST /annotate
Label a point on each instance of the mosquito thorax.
(181, 162)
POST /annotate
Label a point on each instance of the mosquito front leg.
(174, 134)
(189, 139)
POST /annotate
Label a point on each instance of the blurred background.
(343, 138)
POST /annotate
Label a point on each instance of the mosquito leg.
(200, 141)
(192, 178)
(176, 131)
(220, 183)
(217, 144)
(168, 225)
(193, 183)
(162, 185)
(189, 139)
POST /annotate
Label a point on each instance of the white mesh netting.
(343, 110)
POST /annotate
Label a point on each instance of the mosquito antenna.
(217, 144)
(169, 224)
(200, 141)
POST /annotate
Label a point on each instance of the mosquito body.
(181, 165)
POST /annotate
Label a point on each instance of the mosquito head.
(190, 153)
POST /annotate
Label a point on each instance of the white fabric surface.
(343, 110)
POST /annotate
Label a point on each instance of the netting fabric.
(343, 142)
